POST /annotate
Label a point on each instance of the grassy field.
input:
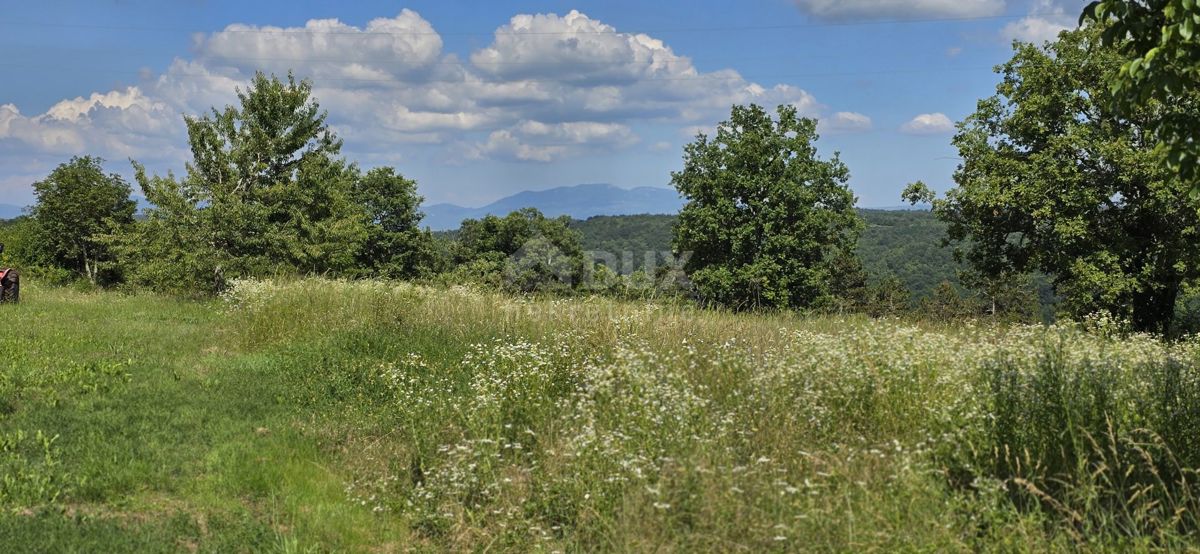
(380, 417)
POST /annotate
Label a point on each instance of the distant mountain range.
(579, 202)
(9, 211)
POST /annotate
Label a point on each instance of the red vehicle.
(10, 283)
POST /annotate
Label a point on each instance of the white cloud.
(576, 48)
(72, 110)
(928, 124)
(841, 10)
(845, 122)
(116, 124)
(1046, 19)
(541, 142)
(504, 144)
(579, 132)
(327, 49)
(547, 87)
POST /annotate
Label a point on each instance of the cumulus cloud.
(928, 124)
(1046, 19)
(545, 88)
(841, 10)
(579, 132)
(504, 144)
(845, 122)
(327, 49)
(119, 123)
(576, 48)
(541, 142)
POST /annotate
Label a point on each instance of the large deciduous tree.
(1053, 179)
(77, 205)
(266, 191)
(1160, 40)
(765, 218)
(395, 245)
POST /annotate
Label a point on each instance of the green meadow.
(373, 416)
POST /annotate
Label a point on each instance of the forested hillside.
(904, 243)
(907, 244)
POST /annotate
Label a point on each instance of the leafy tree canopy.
(77, 204)
(764, 216)
(395, 246)
(527, 250)
(1054, 180)
(266, 191)
(1160, 40)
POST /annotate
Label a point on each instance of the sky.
(477, 100)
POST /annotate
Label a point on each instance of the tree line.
(1063, 176)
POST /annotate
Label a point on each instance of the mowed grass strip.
(138, 423)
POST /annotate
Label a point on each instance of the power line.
(633, 78)
(475, 64)
(609, 30)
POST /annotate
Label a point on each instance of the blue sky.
(478, 100)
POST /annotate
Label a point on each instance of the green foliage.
(1054, 181)
(1009, 296)
(170, 249)
(395, 245)
(947, 303)
(19, 237)
(322, 415)
(523, 251)
(764, 216)
(1160, 41)
(907, 244)
(1100, 442)
(77, 204)
(849, 286)
(627, 243)
(265, 193)
(888, 297)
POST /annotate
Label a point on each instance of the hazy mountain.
(9, 211)
(903, 208)
(579, 202)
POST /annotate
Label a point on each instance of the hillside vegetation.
(382, 416)
(904, 243)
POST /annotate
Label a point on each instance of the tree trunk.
(1154, 309)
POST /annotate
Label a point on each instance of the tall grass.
(598, 422)
(1104, 441)
(387, 416)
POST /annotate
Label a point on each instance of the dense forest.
(904, 243)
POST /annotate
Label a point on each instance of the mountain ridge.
(577, 201)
